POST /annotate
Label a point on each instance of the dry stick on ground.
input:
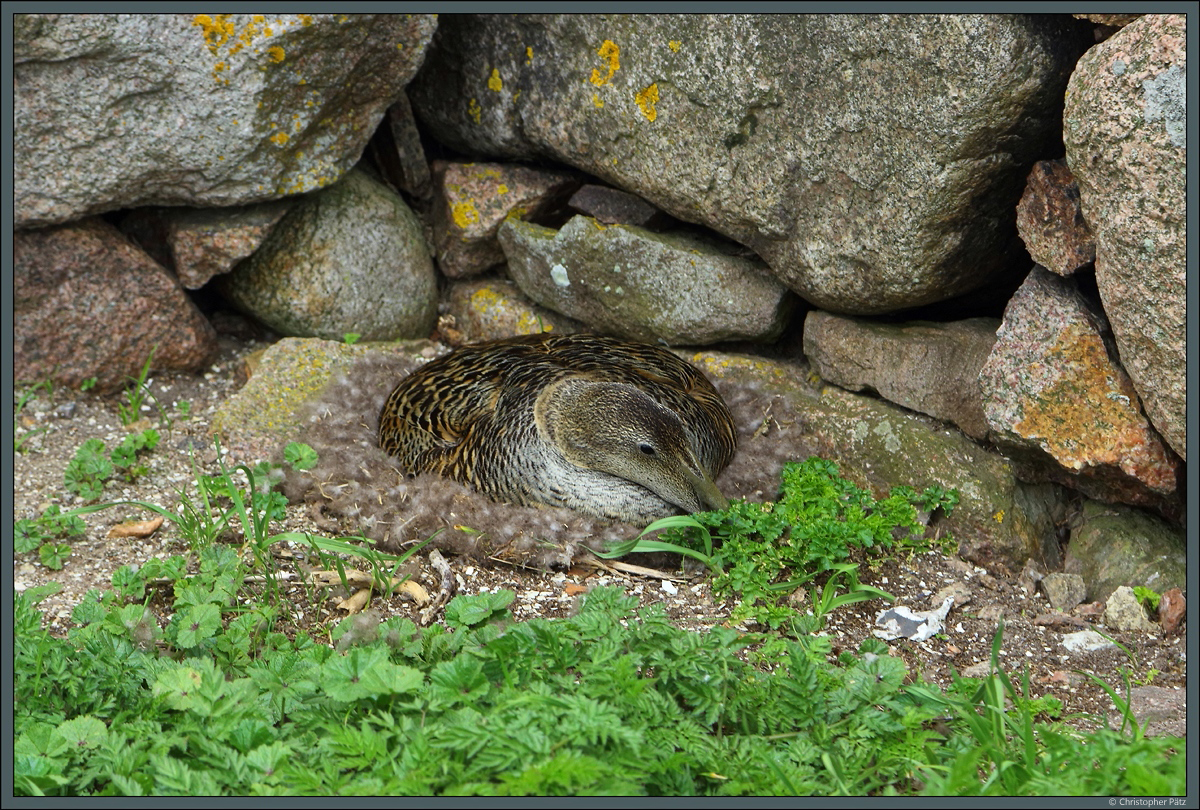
(447, 586)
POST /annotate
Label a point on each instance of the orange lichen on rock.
(1091, 414)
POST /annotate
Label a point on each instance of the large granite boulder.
(124, 110)
(1125, 131)
(873, 161)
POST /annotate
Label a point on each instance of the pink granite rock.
(199, 243)
(89, 303)
(931, 368)
(1051, 222)
(1063, 408)
(1125, 133)
(474, 198)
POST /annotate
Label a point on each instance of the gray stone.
(1064, 591)
(1124, 129)
(350, 258)
(200, 243)
(1086, 641)
(929, 367)
(1159, 710)
(1125, 612)
(873, 161)
(1117, 545)
(89, 303)
(414, 176)
(118, 111)
(1063, 408)
(612, 206)
(673, 287)
(960, 592)
(1114, 20)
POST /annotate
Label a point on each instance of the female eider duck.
(619, 430)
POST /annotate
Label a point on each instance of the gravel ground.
(57, 423)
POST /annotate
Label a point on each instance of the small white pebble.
(669, 587)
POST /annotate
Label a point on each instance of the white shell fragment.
(900, 622)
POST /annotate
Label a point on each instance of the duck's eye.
(646, 449)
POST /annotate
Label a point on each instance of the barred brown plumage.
(620, 430)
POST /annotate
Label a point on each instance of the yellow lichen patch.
(728, 364)
(490, 304)
(502, 188)
(531, 324)
(464, 214)
(1090, 413)
(216, 32)
(305, 19)
(475, 111)
(597, 101)
(674, 45)
(611, 54)
(485, 299)
(494, 82)
(279, 138)
(645, 101)
(999, 516)
(275, 53)
(529, 56)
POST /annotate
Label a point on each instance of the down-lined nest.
(356, 489)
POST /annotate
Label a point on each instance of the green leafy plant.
(126, 456)
(844, 575)
(135, 396)
(613, 700)
(92, 465)
(300, 456)
(1147, 597)
(88, 470)
(351, 338)
(27, 396)
(184, 408)
(53, 525)
(761, 552)
(88, 384)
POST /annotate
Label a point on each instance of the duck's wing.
(439, 407)
(434, 408)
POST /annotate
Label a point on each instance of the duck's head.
(621, 430)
